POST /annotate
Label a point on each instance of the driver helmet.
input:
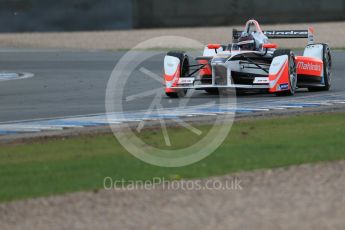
(246, 42)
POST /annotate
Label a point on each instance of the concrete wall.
(68, 15)
(170, 13)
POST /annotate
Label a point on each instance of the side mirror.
(270, 46)
(213, 46)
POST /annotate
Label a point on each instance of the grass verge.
(77, 164)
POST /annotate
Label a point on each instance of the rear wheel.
(184, 60)
(327, 70)
(292, 71)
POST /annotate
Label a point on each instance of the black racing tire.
(184, 60)
(327, 70)
(240, 92)
(292, 71)
(212, 91)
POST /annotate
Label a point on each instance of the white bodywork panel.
(260, 39)
(170, 65)
(277, 64)
(314, 51)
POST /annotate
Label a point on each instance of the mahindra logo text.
(286, 32)
(308, 66)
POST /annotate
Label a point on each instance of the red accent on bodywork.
(213, 46)
(311, 29)
(207, 69)
(169, 90)
(284, 78)
(170, 78)
(309, 66)
(270, 46)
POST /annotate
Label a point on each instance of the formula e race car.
(251, 62)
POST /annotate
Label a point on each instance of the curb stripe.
(96, 120)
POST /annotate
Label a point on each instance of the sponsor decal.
(284, 86)
(261, 80)
(308, 66)
(186, 80)
(286, 32)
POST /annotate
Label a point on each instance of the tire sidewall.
(294, 86)
(327, 77)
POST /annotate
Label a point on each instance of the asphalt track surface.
(69, 83)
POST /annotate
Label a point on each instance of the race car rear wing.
(283, 34)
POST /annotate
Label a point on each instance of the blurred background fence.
(73, 15)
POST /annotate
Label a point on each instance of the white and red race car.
(251, 62)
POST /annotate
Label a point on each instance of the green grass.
(76, 164)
